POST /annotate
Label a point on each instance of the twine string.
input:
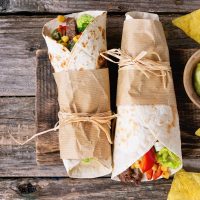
(140, 62)
(66, 118)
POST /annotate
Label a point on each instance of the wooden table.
(20, 36)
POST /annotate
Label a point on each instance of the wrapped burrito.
(74, 43)
(147, 142)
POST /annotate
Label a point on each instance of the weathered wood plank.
(46, 112)
(16, 115)
(65, 188)
(62, 6)
(19, 160)
(20, 37)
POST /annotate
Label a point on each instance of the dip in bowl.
(191, 78)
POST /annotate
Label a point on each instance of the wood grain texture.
(46, 110)
(61, 6)
(20, 37)
(17, 115)
(84, 189)
(20, 161)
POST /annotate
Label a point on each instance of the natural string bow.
(140, 63)
(66, 118)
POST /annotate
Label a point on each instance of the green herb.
(56, 35)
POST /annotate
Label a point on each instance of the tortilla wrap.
(69, 67)
(140, 125)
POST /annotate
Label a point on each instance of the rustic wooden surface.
(63, 6)
(61, 189)
(47, 147)
(20, 36)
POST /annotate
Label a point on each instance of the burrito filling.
(156, 163)
(70, 29)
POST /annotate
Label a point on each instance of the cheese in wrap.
(145, 119)
(82, 60)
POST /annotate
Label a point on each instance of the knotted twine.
(97, 119)
(141, 63)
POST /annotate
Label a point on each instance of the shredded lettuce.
(83, 21)
(168, 159)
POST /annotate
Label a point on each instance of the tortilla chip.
(185, 186)
(190, 24)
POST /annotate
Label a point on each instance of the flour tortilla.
(138, 127)
(84, 56)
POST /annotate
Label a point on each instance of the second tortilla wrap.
(141, 123)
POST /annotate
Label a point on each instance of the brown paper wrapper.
(133, 86)
(88, 92)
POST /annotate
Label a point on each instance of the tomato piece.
(59, 29)
(157, 173)
(148, 160)
(149, 174)
(63, 30)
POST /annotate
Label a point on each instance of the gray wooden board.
(20, 37)
(46, 111)
(63, 6)
(65, 188)
(17, 115)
